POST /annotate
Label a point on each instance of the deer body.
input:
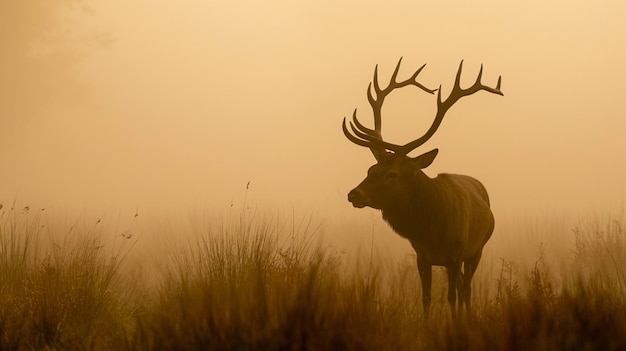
(450, 222)
(447, 219)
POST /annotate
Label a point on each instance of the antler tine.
(372, 141)
(414, 81)
(364, 129)
(457, 79)
(376, 145)
(478, 85)
(443, 106)
(351, 137)
(392, 80)
(364, 136)
(375, 81)
(367, 137)
(360, 134)
(372, 101)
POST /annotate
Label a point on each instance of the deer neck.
(417, 210)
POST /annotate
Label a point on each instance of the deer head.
(388, 179)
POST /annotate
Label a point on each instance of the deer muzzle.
(357, 198)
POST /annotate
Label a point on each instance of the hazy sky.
(163, 104)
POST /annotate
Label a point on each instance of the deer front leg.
(426, 275)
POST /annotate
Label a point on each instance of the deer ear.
(424, 160)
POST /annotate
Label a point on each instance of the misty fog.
(162, 105)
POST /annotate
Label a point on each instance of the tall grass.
(57, 291)
(266, 283)
(246, 286)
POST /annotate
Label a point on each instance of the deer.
(448, 218)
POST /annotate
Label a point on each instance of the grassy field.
(258, 282)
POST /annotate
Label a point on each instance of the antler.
(443, 107)
(372, 138)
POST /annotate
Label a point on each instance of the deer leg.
(426, 275)
(460, 289)
(469, 270)
(454, 270)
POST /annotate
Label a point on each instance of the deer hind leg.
(454, 271)
(426, 275)
(469, 269)
(460, 289)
